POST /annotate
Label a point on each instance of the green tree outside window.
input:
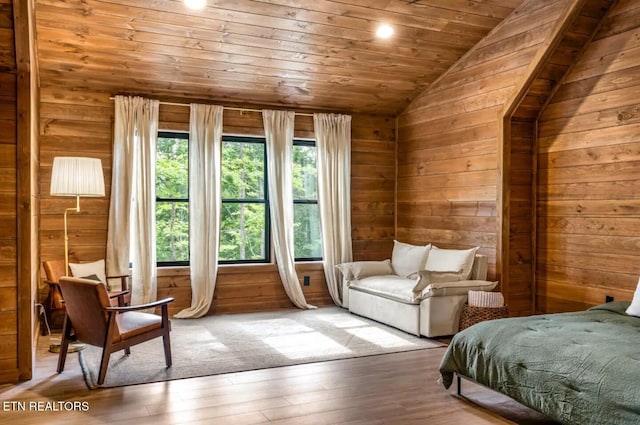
(172, 198)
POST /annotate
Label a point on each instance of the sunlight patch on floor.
(339, 321)
(274, 326)
(379, 337)
(216, 346)
(203, 338)
(307, 344)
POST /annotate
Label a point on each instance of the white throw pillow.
(461, 287)
(426, 278)
(87, 269)
(634, 308)
(452, 260)
(362, 269)
(407, 259)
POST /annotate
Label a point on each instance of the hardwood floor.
(397, 388)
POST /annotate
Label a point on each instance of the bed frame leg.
(459, 383)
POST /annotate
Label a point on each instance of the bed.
(577, 368)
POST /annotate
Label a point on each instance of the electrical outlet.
(307, 281)
(608, 298)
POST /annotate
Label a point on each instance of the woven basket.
(471, 315)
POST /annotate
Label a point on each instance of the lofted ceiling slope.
(307, 54)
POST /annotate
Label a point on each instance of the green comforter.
(577, 368)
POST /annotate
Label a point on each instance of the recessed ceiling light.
(384, 31)
(195, 4)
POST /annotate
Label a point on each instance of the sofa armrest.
(479, 269)
(345, 293)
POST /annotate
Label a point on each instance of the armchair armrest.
(154, 304)
(124, 279)
(54, 299)
(120, 296)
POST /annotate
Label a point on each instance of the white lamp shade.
(77, 176)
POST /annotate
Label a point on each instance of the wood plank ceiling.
(307, 54)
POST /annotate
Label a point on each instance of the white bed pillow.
(407, 259)
(362, 269)
(96, 268)
(452, 260)
(634, 308)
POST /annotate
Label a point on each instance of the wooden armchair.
(54, 305)
(95, 322)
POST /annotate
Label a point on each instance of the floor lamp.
(75, 176)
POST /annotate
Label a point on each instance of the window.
(244, 220)
(307, 237)
(244, 229)
(172, 198)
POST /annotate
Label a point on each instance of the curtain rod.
(231, 108)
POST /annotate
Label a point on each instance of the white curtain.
(205, 141)
(133, 195)
(333, 144)
(278, 128)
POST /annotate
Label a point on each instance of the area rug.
(240, 342)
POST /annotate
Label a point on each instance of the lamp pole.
(66, 235)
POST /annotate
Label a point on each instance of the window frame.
(307, 143)
(167, 134)
(265, 201)
(239, 139)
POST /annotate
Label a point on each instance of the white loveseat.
(421, 290)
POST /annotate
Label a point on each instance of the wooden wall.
(18, 194)
(81, 122)
(517, 146)
(27, 160)
(589, 173)
(519, 256)
(8, 197)
(447, 139)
